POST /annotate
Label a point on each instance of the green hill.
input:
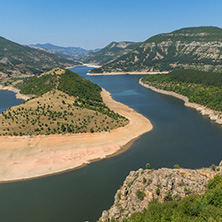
(200, 87)
(188, 48)
(17, 60)
(110, 53)
(63, 102)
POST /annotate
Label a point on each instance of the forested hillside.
(200, 87)
(17, 60)
(197, 48)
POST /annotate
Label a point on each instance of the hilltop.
(111, 52)
(19, 61)
(188, 48)
(61, 102)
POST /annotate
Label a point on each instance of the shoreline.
(91, 65)
(212, 114)
(18, 95)
(30, 157)
(126, 73)
(84, 64)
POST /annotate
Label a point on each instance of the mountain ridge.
(110, 52)
(17, 60)
(187, 48)
(70, 52)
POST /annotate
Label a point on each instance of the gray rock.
(177, 182)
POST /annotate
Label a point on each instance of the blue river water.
(180, 136)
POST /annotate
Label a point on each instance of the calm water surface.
(180, 135)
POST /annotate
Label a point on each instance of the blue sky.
(95, 23)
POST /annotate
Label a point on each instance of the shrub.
(168, 196)
(140, 195)
(157, 191)
(144, 180)
(176, 166)
(187, 191)
(213, 167)
(148, 166)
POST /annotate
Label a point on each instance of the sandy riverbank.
(30, 157)
(91, 65)
(125, 73)
(84, 64)
(17, 91)
(212, 114)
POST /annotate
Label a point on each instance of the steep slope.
(111, 52)
(187, 48)
(143, 191)
(17, 60)
(72, 53)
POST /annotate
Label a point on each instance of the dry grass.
(54, 113)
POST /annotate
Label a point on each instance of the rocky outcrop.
(143, 186)
(212, 114)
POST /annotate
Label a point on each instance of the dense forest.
(75, 85)
(193, 208)
(68, 82)
(38, 85)
(204, 88)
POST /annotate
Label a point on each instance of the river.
(180, 136)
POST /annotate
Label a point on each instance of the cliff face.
(143, 186)
(190, 48)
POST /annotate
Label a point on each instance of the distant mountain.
(188, 48)
(72, 53)
(17, 60)
(110, 53)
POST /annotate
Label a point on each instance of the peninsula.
(69, 123)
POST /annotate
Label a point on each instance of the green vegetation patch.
(68, 82)
(75, 85)
(140, 194)
(38, 85)
(200, 87)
